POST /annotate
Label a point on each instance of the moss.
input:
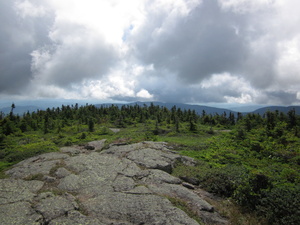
(57, 166)
(185, 207)
(38, 176)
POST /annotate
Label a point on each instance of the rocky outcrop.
(124, 184)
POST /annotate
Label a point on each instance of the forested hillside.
(252, 159)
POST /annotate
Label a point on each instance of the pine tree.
(91, 125)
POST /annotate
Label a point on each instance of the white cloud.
(288, 65)
(105, 18)
(144, 94)
(246, 6)
(168, 50)
(243, 99)
(27, 8)
(234, 89)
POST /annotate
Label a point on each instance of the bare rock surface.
(124, 184)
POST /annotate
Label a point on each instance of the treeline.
(56, 118)
(53, 120)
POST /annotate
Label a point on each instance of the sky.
(188, 51)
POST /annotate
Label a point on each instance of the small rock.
(98, 145)
(189, 186)
(73, 150)
(62, 172)
(49, 179)
(115, 130)
(190, 180)
(89, 147)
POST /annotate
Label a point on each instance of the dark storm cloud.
(72, 67)
(75, 54)
(68, 65)
(179, 50)
(18, 38)
(37, 48)
(14, 51)
(214, 89)
(278, 97)
(205, 42)
(212, 40)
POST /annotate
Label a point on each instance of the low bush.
(251, 189)
(281, 205)
(25, 151)
(224, 181)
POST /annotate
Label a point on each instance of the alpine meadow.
(251, 162)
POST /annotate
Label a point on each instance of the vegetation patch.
(38, 176)
(184, 207)
(251, 159)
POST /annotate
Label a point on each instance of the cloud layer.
(196, 51)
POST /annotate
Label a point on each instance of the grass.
(38, 176)
(235, 214)
(3, 167)
(184, 207)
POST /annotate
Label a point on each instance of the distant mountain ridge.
(210, 110)
(20, 109)
(283, 109)
(198, 108)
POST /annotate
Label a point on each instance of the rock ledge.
(127, 184)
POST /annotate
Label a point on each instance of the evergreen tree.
(292, 121)
(193, 126)
(91, 125)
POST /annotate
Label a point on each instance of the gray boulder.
(122, 185)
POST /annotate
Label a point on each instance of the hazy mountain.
(283, 109)
(34, 105)
(198, 108)
(21, 109)
(246, 108)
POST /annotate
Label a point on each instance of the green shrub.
(21, 152)
(224, 181)
(2, 137)
(149, 136)
(68, 143)
(281, 205)
(251, 189)
(82, 136)
(4, 165)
